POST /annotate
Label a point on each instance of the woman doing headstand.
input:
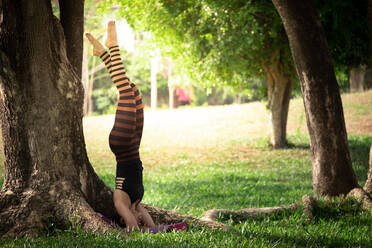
(125, 136)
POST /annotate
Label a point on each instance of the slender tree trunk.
(368, 185)
(90, 88)
(332, 171)
(170, 85)
(238, 98)
(154, 87)
(357, 79)
(280, 86)
(85, 81)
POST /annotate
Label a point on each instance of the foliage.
(217, 42)
(281, 178)
(105, 100)
(226, 42)
(346, 28)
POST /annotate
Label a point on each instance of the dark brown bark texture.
(72, 20)
(47, 172)
(280, 86)
(370, 25)
(368, 184)
(48, 177)
(332, 171)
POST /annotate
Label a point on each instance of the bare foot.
(112, 39)
(98, 48)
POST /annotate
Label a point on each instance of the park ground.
(200, 158)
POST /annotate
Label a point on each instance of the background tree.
(368, 185)
(331, 164)
(345, 25)
(223, 43)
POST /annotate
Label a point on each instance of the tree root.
(361, 196)
(30, 212)
(76, 211)
(245, 214)
(368, 184)
(308, 203)
(162, 217)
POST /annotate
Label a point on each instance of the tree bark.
(48, 177)
(331, 164)
(280, 86)
(47, 172)
(368, 184)
(357, 79)
(72, 20)
(368, 83)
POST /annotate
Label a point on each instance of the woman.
(125, 137)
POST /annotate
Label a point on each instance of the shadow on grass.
(305, 239)
(193, 195)
(359, 151)
(298, 141)
(325, 229)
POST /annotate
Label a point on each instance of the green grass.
(360, 110)
(189, 170)
(269, 178)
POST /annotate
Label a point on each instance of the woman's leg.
(139, 112)
(128, 121)
(125, 122)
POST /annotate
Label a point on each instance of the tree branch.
(72, 20)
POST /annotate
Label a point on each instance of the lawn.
(217, 157)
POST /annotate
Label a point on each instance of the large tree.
(223, 43)
(47, 172)
(48, 177)
(332, 170)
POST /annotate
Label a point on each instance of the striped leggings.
(125, 136)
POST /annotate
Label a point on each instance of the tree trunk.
(47, 172)
(72, 20)
(91, 79)
(368, 83)
(357, 79)
(332, 171)
(170, 85)
(48, 177)
(154, 87)
(368, 184)
(86, 83)
(280, 86)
